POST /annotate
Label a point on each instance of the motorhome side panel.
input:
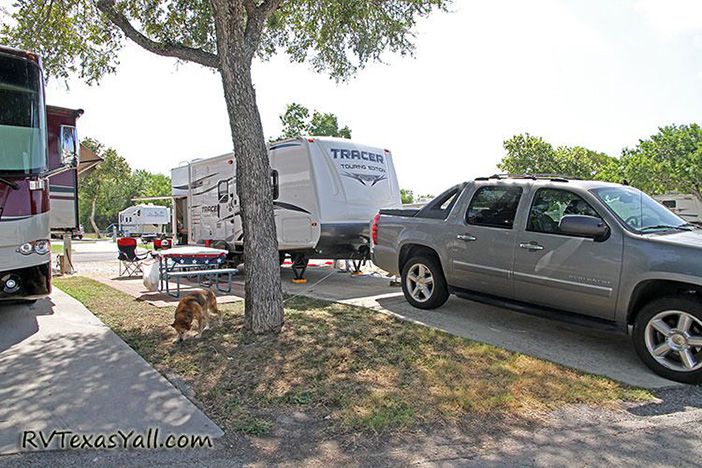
(63, 187)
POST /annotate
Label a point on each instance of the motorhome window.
(22, 117)
(669, 203)
(494, 207)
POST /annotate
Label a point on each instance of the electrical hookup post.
(66, 266)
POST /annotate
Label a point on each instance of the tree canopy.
(297, 122)
(529, 154)
(669, 161)
(111, 187)
(337, 37)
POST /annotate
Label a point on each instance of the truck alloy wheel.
(420, 282)
(674, 339)
(423, 282)
(668, 337)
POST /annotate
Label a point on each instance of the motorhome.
(687, 206)
(325, 193)
(140, 220)
(25, 250)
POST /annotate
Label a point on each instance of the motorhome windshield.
(22, 117)
(640, 212)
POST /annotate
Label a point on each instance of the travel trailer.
(325, 193)
(140, 220)
(688, 207)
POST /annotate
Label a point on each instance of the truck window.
(669, 204)
(441, 206)
(494, 207)
(550, 205)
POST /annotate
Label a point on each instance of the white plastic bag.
(151, 277)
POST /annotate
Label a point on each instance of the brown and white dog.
(196, 306)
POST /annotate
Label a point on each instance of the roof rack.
(551, 177)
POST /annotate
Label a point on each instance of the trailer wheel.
(423, 282)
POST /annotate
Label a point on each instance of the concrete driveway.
(62, 368)
(593, 351)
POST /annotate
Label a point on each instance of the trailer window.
(223, 191)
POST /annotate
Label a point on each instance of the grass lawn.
(364, 371)
(57, 247)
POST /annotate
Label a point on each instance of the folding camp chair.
(129, 261)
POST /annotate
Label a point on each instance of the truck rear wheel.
(423, 282)
(668, 338)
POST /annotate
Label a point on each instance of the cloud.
(671, 17)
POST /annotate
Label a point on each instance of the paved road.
(62, 368)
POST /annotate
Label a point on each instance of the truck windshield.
(22, 117)
(638, 211)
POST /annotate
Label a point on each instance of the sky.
(597, 73)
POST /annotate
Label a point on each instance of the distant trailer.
(63, 187)
(687, 206)
(139, 220)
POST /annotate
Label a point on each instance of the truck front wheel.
(423, 282)
(668, 338)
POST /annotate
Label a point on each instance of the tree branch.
(179, 51)
(256, 22)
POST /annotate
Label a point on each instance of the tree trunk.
(92, 217)
(263, 310)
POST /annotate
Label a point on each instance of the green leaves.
(528, 154)
(296, 122)
(70, 35)
(114, 185)
(669, 161)
(338, 37)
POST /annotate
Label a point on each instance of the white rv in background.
(138, 220)
(326, 192)
(688, 207)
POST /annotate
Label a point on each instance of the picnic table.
(192, 261)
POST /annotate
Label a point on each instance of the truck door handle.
(531, 246)
(466, 237)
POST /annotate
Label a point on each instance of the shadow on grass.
(348, 373)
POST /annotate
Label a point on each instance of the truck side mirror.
(584, 226)
(68, 145)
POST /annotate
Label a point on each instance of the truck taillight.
(374, 229)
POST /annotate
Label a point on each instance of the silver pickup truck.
(560, 246)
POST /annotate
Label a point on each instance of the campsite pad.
(324, 282)
(134, 286)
